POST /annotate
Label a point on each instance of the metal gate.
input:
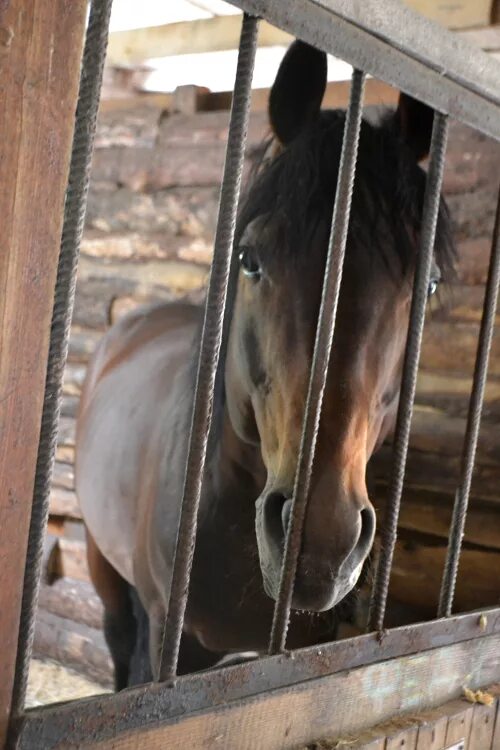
(388, 41)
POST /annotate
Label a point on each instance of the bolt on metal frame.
(454, 79)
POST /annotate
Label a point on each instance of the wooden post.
(40, 54)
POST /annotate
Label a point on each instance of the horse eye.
(250, 263)
(433, 285)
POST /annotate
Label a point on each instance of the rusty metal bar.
(400, 47)
(104, 717)
(432, 200)
(321, 358)
(209, 348)
(473, 424)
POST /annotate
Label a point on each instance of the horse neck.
(235, 476)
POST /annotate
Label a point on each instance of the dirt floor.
(50, 682)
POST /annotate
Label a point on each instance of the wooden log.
(430, 513)
(40, 49)
(424, 472)
(152, 246)
(473, 259)
(474, 213)
(74, 600)
(74, 645)
(65, 453)
(68, 559)
(55, 526)
(74, 376)
(452, 346)
(67, 430)
(64, 503)
(417, 571)
(178, 211)
(139, 278)
(450, 392)
(460, 302)
(69, 407)
(436, 432)
(74, 529)
(134, 127)
(63, 477)
(82, 343)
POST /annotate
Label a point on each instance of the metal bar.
(473, 425)
(74, 214)
(425, 41)
(399, 27)
(105, 716)
(209, 348)
(321, 358)
(410, 368)
(427, 77)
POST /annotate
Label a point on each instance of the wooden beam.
(204, 35)
(377, 93)
(332, 706)
(223, 32)
(40, 52)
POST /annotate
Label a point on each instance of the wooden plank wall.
(475, 725)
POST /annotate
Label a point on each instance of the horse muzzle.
(327, 568)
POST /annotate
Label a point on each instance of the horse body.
(132, 441)
(136, 405)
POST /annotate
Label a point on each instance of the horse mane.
(297, 188)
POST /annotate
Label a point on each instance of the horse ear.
(297, 92)
(414, 121)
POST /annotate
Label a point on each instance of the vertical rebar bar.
(94, 54)
(209, 349)
(430, 215)
(321, 357)
(473, 424)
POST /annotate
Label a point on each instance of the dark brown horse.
(136, 404)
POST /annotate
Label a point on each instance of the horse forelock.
(295, 188)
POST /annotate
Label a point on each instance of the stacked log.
(149, 229)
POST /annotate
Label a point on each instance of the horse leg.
(140, 665)
(120, 628)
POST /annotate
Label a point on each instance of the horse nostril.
(367, 531)
(286, 512)
(277, 514)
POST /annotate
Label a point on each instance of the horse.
(136, 403)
